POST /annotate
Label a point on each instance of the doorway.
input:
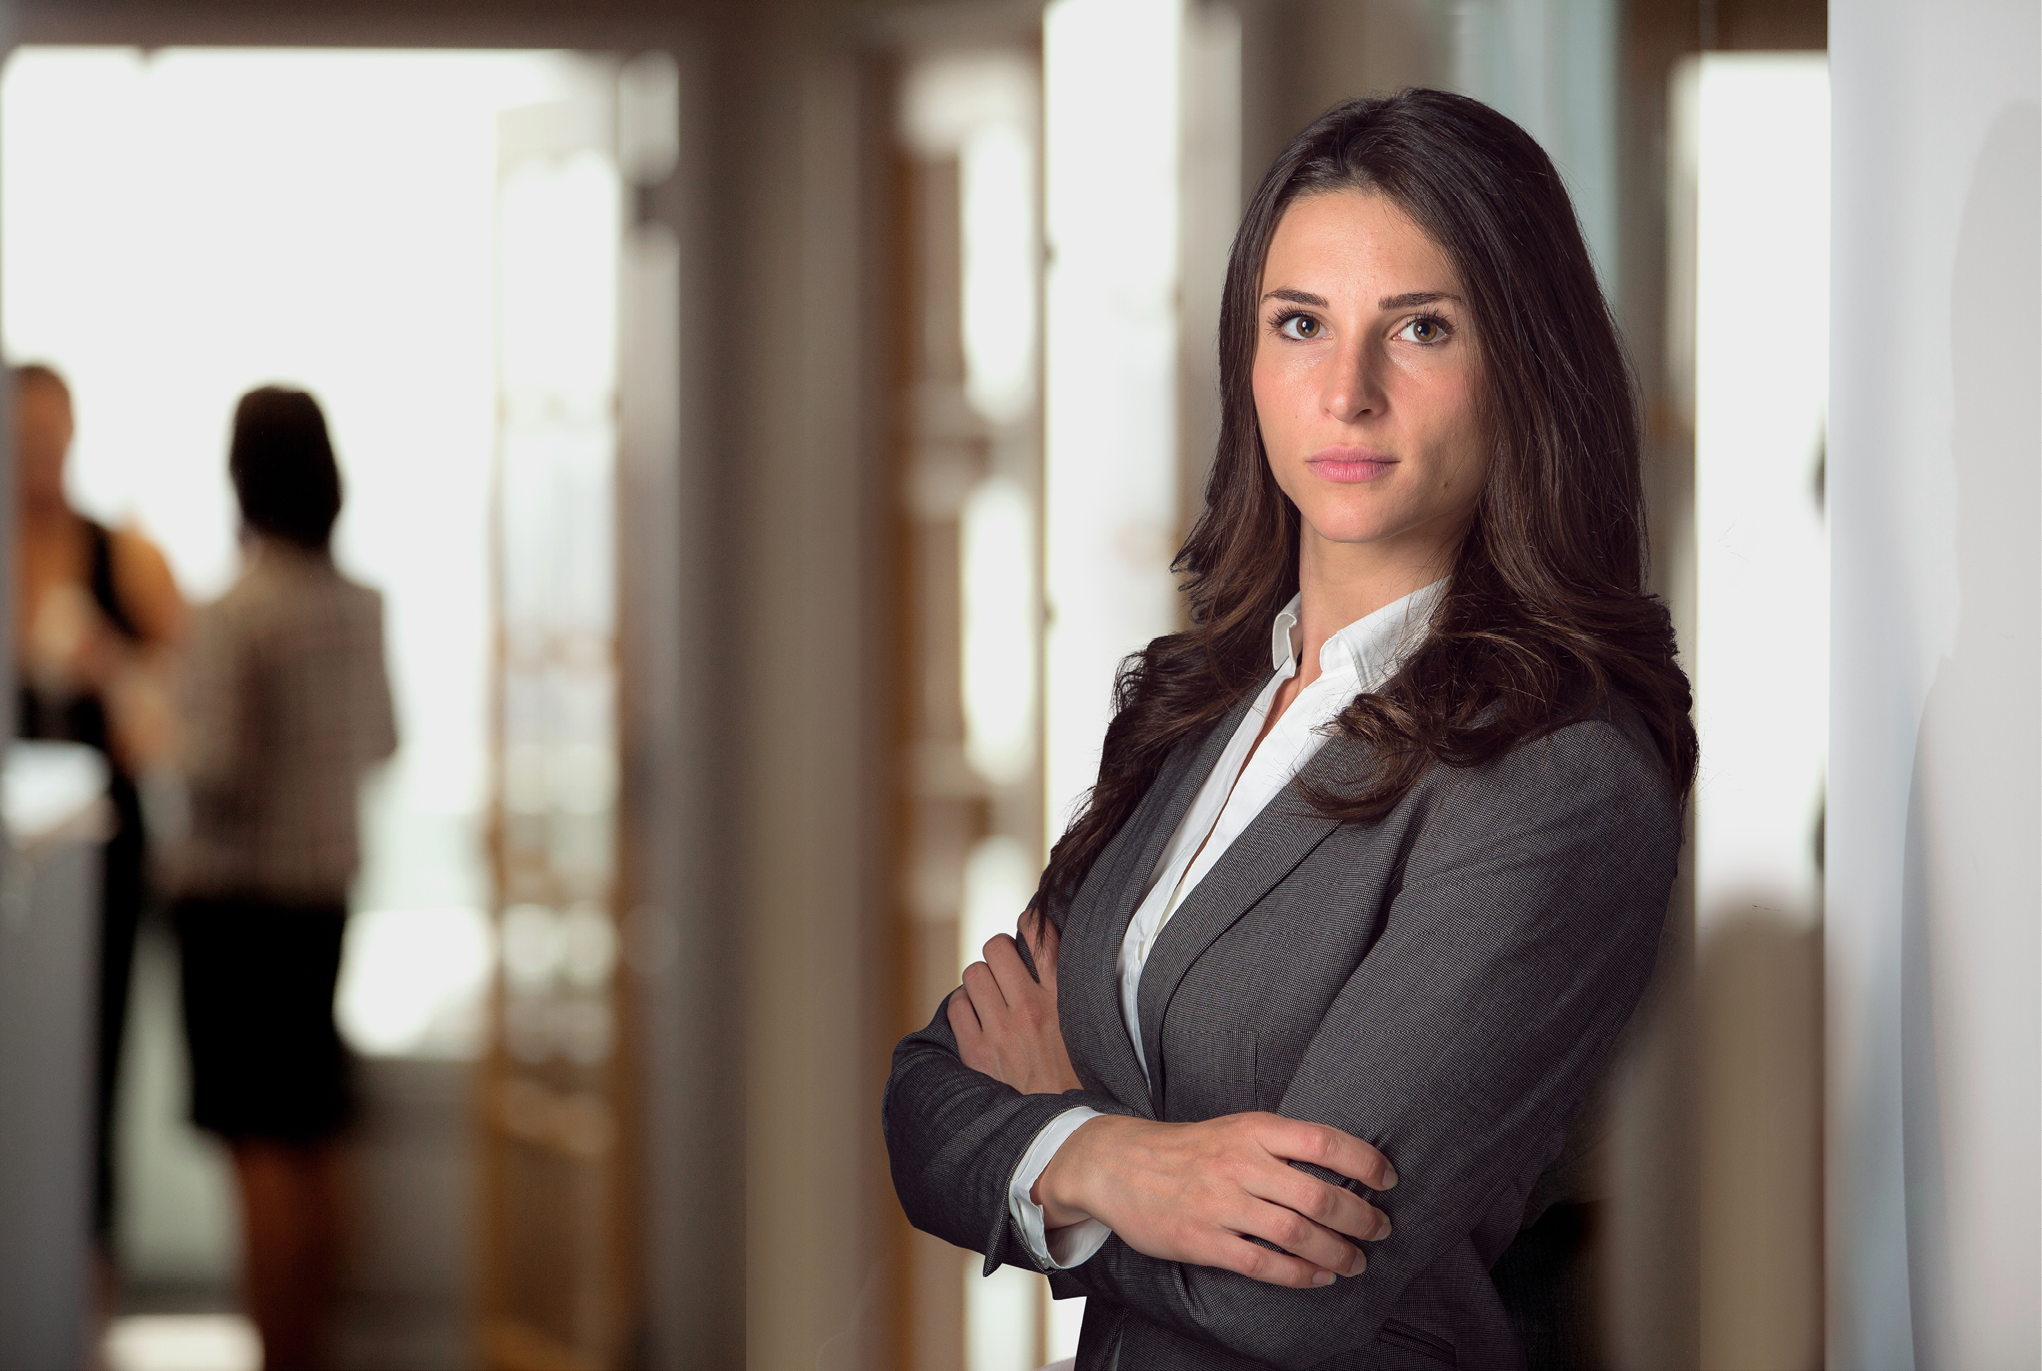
(430, 242)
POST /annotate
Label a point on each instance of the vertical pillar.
(1933, 885)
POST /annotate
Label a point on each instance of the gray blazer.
(1444, 984)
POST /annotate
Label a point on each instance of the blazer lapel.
(1269, 849)
(1088, 964)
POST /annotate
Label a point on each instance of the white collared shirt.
(1358, 659)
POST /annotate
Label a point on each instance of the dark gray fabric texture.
(1445, 984)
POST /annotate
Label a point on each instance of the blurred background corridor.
(767, 426)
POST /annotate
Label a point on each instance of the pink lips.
(1349, 465)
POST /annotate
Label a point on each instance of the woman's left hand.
(1005, 1019)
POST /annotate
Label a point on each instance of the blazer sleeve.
(954, 1137)
(1523, 935)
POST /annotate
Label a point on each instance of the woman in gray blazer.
(1375, 867)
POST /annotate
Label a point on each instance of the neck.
(1339, 583)
(256, 546)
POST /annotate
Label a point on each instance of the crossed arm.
(1189, 1192)
(1460, 1047)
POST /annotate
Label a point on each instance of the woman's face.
(1367, 381)
(42, 435)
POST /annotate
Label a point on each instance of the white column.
(1760, 134)
(1933, 888)
(1761, 368)
(1111, 129)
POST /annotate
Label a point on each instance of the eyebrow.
(1404, 301)
(1298, 297)
(1416, 297)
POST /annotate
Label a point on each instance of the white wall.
(1110, 479)
(1936, 612)
(1760, 695)
(1756, 129)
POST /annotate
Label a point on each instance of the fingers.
(1010, 973)
(1328, 1206)
(1260, 1264)
(987, 996)
(1299, 1236)
(964, 1022)
(975, 1047)
(1181, 1192)
(1295, 1140)
(1043, 938)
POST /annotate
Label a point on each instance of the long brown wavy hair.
(1546, 615)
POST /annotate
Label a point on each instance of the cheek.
(1472, 472)
(1262, 386)
(1459, 437)
(1274, 405)
(1273, 421)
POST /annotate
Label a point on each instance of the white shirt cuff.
(1060, 1248)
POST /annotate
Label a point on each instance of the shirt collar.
(1369, 648)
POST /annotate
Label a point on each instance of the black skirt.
(258, 977)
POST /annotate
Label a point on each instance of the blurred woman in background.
(97, 622)
(288, 706)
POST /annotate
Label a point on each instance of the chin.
(1351, 525)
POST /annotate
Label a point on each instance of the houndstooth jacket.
(287, 704)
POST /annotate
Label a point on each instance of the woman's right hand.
(1196, 1192)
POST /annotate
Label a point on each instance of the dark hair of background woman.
(41, 374)
(1546, 614)
(282, 464)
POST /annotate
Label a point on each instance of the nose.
(1353, 383)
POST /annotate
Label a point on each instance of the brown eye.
(1300, 326)
(1423, 331)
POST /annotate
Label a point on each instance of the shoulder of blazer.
(1612, 735)
(1612, 741)
(1603, 765)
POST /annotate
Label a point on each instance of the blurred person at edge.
(1381, 845)
(96, 626)
(287, 707)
